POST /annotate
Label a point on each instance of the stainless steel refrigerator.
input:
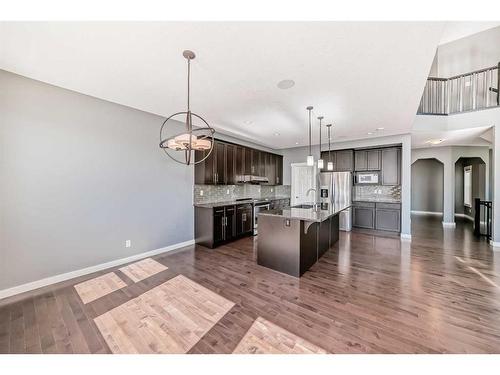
(337, 187)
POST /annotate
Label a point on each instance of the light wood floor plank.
(264, 337)
(143, 269)
(170, 318)
(98, 287)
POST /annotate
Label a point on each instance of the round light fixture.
(286, 84)
(199, 138)
(276, 134)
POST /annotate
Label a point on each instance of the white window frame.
(468, 186)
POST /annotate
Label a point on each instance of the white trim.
(426, 213)
(405, 237)
(496, 245)
(449, 224)
(85, 271)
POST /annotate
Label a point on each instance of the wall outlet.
(272, 190)
(201, 193)
(128, 243)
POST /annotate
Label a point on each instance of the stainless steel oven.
(258, 207)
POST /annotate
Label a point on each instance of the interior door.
(303, 179)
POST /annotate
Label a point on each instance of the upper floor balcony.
(473, 91)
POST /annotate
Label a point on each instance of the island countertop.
(318, 215)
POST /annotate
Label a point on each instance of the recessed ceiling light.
(378, 129)
(369, 133)
(286, 84)
(296, 143)
(248, 122)
(434, 141)
(276, 134)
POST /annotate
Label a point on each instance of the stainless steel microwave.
(367, 178)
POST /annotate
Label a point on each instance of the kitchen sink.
(303, 206)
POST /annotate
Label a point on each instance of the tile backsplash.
(377, 192)
(215, 193)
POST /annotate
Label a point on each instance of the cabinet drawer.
(389, 206)
(363, 204)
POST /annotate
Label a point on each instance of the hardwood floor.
(170, 318)
(93, 289)
(264, 337)
(143, 269)
(368, 294)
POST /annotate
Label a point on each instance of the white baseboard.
(427, 213)
(449, 224)
(405, 237)
(496, 245)
(85, 271)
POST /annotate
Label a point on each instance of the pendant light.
(197, 139)
(310, 157)
(330, 163)
(320, 160)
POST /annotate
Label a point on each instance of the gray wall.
(79, 176)
(427, 185)
(465, 55)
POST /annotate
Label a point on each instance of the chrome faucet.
(311, 189)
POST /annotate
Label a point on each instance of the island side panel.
(324, 237)
(309, 236)
(334, 232)
(278, 245)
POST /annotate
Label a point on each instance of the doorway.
(304, 184)
(427, 187)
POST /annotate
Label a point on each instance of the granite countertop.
(233, 202)
(377, 200)
(308, 214)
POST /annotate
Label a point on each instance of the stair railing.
(462, 93)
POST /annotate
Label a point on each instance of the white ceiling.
(460, 29)
(359, 75)
(478, 136)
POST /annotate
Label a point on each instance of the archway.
(427, 187)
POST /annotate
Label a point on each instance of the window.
(468, 186)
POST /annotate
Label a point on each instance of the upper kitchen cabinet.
(344, 161)
(218, 168)
(279, 169)
(327, 157)
(270, 168)
(228, 162)
(391, 166)
(367, 160)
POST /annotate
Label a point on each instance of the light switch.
(201, 193)
(287, 222)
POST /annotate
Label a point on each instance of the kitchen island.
(291, 240)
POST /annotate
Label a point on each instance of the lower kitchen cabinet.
(363, 215)
(378, 216)
(218, 225)
(244, 222)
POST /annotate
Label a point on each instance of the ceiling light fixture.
(198, 139)
(276, 134)
(369, 133)
(286, 84)
(329, 165)
(434, 141)
(310, 157)
(320, 160)
(379, 129)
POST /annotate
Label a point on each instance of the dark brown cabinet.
(244, 219)
(218, 225)
(379, 216)
(367, 160)
(391, 166)
(228, 162)
(278, 162)
(219, 228)
(363, 215)
(343, 160)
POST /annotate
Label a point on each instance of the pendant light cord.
(310, 153)
(189, 81)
